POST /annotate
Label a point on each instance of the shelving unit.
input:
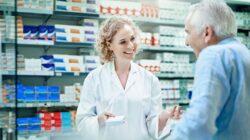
(150, 21)
(46, 78)
(48, 104)
(166, 49)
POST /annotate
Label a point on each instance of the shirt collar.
(226, 41)
(132, 70)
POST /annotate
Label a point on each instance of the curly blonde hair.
(108, 30)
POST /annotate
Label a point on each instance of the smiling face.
(124, 44)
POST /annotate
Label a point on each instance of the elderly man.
(220, 105)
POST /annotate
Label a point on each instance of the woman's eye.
(133, 38)
(123, 42)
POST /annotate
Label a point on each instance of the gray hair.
(215, 13)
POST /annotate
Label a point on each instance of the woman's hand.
(175, 114)
(103, 117)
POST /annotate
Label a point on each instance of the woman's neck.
(122, 67)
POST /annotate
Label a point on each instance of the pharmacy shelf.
(48, 104)
(27, 42)
(50, 73)
(57, 13)
(149, 21)
(166, 49)
(35, 73)
(8, 72)
(7, 105)
(74, 45)
(51, 133)
(238, 2)
(172, 102)
(75, 14)
(35, 42)
(34, 11)
(71, 73)
(169, 75)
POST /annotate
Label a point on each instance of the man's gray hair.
(215, 13)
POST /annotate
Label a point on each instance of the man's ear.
(208, 33)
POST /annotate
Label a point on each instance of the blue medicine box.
(34, 121)
(65, 115)
(22, 121)
(54, 97)
(41, 93)
(41, 89)
(53, 89)
(34, 128)
(28, 89)
(29, 94)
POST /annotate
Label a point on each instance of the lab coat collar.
(131, 78)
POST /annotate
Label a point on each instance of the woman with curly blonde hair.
(120, 90)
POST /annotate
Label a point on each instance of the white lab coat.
(140, 103)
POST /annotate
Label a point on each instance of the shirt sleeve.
(152, 118)
(210, 93)
(86, 117)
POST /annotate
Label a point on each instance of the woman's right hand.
(104, 116)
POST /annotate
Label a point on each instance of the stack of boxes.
(81, 6)
(28, 125)
(171, 36)
(176, 89)
(4, 119)
(71, 93)
(91, 62)
(42, 93)
(150, 39)
(150, 65)
(111, 7)
(173, 11)
(66, 33)
(47, 63)
(8, 59)
(56, 121)
(8, 91)
(36, 4)
(41, 32)
(68, 63)
(91, 27)
(38, 93)
(150, 10)
(85, 33)
(170, 89)
(20, 62)
(57, 63)
(20, 27)
(7, 27)
(175, 63)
